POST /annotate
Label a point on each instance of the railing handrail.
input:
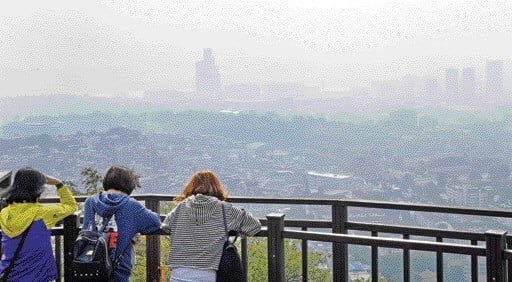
(395, 243)
(332, 202)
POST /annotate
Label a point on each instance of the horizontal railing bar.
(330, 202)
(57, 231)
(293, 223)
(416, 231)
(161, 232)
(387, 242)
(304, 223)
(426, 208)
(53, 200)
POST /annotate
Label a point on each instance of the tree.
(91, 180)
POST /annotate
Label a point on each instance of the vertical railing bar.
(245, 263)
(58, 257)
(339, 250)
(407, 262)
(71, 226)
(474, 264)
(304, 258)
(375, 259)
(275, 248)
(439, 259)
(495, 242)
(153, 248)
(509, 263)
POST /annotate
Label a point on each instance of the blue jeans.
(185, 274)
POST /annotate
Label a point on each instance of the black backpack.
(230, 266)
(92, 254)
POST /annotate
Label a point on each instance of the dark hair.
(120, 178)
(27, 187)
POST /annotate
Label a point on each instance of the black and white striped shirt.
(197, 231)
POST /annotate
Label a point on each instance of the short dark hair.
(120, 178)
(27, 187)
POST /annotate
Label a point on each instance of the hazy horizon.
(108, 48)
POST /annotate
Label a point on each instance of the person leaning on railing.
(24, 214)
(129, 216)
(196, 227)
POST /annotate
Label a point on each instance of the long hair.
(203, 182)
(27, 187)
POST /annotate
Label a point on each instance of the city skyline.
(117, 48)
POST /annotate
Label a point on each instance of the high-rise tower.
(494, 77)
(207, 74)
(468, 83)
(452, 83)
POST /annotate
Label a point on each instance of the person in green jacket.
(35, 261)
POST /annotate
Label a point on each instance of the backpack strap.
(239, 230)
(7, 271)
(118, 260)
(225, 222)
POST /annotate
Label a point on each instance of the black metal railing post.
(375, 259)
(275, 247)
(153, 248)
(304, 250)
(407, 261)
(71, 227)
(495, 244)
(474, 264)
(339, 250)
(439, 262)
(245, 262)
(58, 256)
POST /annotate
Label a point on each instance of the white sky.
(111, 47)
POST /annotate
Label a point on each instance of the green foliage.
(91, 180)
(258, 267)
(139, 270)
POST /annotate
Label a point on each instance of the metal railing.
(494, 250)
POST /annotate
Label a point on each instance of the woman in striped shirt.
(196, 226)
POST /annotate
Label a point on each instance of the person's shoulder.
(231, 208)
(134, 203)
(93, 197)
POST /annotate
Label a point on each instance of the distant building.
(494, 76)
(243, 91)
(386, 88)
(470, 196)
(285, 90)
(207, 74)
(432, 89)
(408, 89)
(452, 83)
(323, 184)
(468, 83)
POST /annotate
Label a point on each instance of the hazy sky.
(111, 47)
